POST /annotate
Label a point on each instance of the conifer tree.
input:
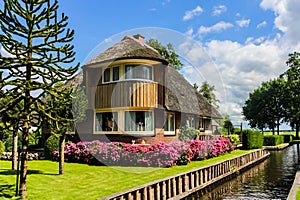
(41, 56)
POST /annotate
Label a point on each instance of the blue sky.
(246, 41)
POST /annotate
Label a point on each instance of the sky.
(234, 45)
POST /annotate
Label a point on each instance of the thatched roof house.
(135, 95)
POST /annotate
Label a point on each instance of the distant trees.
(207, 91)
(227, 124)
(264, 108)
(292, 94)
(167, 52)
(277, 100)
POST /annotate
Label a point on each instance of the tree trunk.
(278, 126)
(297, 131)
(62, 139)
(24, 155)
(15, 148)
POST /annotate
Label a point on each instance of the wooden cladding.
(127, 94)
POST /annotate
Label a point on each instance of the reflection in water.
(271, 179)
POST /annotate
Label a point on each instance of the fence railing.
(181, 185)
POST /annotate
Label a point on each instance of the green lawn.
(88, 182)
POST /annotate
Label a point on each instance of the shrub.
(156, 155)
(51, 145)
(234, 138)
(187, 133)
(2, 147)
(252, 139)
(273, 140)
(287, 138)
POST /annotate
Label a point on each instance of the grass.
(82, 181)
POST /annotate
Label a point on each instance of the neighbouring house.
(134, 95)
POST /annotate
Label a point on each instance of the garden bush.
(187, 133)
(156, 155)
(287, 138)
(2, 147)
(252, 139)
(234, 138)
(51, 145)
(273, 140)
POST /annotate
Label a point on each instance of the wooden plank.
(134, 95)
(142, 93)
(138, 97)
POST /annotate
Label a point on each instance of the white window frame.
(121, 123)
(107, 132)
(139, 131)
(122, 72)
(168, 114)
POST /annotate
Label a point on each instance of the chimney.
(140, 38)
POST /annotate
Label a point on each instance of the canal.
(271, 179)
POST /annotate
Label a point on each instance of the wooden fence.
(181, 185)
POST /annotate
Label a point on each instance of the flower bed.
(157, 155)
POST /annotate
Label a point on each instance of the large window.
(169, 126)
(138, 121)
(106, 121)
(138, 72)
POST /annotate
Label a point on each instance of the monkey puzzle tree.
(39, 43)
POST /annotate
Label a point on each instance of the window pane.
(106, 121)
(115, 73)
(138, 121)
(106, 75)
(172, 121)
(130, 121)
(138, 72)
(128, 72)
(166, 125)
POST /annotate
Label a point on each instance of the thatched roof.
(181, 96)
(128, 47)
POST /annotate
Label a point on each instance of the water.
(271, 179)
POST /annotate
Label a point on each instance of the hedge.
(287, 138)
(252, 139)
(234, 138)
(273, 140)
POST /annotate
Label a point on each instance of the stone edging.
(294, 189)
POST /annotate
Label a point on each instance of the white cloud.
(261, 25)
(190, 32)
(152, 9)
(192, 13)
(286, 20)
(4, 53)
(108, 40)
(236, 68)
(218, 10)
(218, 27)
(243, 23)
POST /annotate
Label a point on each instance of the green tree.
(292, 93)
(10, 125)
(167, 52)
(264, 108)
(207, 91)
(71, 111)
(228, 125)
(39, 42)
